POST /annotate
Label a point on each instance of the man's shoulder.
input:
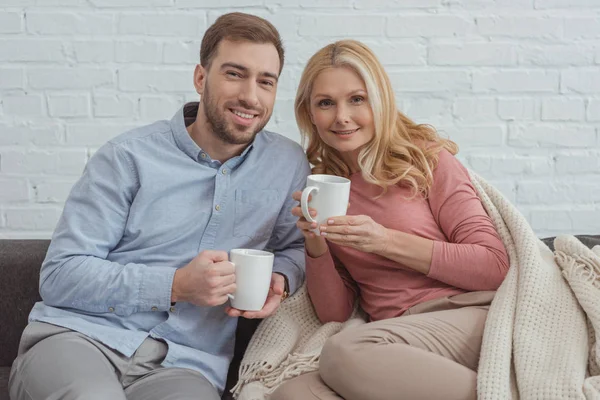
(279, 145)
(139, 134)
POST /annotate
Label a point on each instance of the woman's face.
(340, 110)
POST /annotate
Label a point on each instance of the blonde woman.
(416, 250)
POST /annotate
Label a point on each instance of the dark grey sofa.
(20, 262)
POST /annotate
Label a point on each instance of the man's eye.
(268, 83)
(233, 73)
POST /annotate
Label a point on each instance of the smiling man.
(135, 282)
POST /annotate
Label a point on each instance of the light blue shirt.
(147, 203)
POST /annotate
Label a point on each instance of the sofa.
(20, 262)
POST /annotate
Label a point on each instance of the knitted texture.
(540, 339)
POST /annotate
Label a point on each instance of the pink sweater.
(468, 254)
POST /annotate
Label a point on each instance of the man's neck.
(216, 148)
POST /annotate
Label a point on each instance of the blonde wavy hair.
(401, 152)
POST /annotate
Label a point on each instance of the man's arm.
(287, 241)
(76, 273)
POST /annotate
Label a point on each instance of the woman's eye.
(358, 99)
(325, 103)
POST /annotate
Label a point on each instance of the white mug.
(329, 197)
(253, 270)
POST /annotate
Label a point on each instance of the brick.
(392, 4)
(582, 27)
(63, 162)
(515, 81)
(17, 50)
(586, 221)
(138, 52)
(214, 3)
(552, 220)
(46, 133)
(428, 110)
(135, 80)
(114, 106)
(578, 163)
(520, 27)
(516, 109)
(11, 78)
(431, 81)
(61, 23)
(14, 190)
(308, 3)
(94, 134)
(548, 193)
(68, 105)
(53, 3)
(552, 136)
(548, 4)
(593, 110)
(65, 78)
(16, 3)
(162, 24)
(52, 190)
(580, 81)
(468, 54)
(475, 110)
(428, 26)
(130, 3)
(396, 53)
(555, 55)
(341, 26)
(32, 218)
(476, 136)
(187, 52)
(94, 51)
(563, 109)
(23, 104)
(500, 166)
(159, 107)
(11, 22)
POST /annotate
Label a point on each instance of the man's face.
(238, 89)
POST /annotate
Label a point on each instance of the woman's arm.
(330, 287)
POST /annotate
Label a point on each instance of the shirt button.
(154, 308)
(203, 155)
(224, 172)
(218, 207)
(172, 309)
(111, 309)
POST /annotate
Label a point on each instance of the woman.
(416, 250)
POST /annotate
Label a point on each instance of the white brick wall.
(515, 82)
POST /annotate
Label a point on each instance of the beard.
(224, 131)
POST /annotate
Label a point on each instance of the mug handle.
(231, 297)
(304, 202)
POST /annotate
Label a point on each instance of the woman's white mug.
(253, 270)
(329, 197)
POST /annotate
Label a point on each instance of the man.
(135, 282)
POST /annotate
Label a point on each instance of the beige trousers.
(431, 352)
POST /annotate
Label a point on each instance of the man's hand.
(271, 304)
(206, 280)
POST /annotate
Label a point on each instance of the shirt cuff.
(155, 289)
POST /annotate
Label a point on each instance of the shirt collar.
(184, 117)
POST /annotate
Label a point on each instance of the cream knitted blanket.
(542, 334)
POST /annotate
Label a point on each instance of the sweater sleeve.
(330, 287)
(474, 257)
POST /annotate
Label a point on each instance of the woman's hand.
(315, 245)
(357, 231)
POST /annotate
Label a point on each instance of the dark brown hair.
(238, 26)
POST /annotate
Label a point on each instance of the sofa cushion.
(20, 262)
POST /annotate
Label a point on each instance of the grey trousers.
(57, 363)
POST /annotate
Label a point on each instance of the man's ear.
(200, 78)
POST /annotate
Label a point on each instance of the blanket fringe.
(582, 268)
